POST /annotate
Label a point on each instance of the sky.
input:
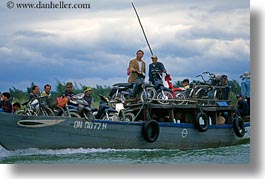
(93, 46)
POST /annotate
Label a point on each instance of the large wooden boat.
(189, 126)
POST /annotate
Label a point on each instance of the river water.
(239, 154)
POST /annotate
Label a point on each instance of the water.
(224, 155)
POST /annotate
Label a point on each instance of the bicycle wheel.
(49, 111)
(26, 112)
(163, 97)
(45, 112)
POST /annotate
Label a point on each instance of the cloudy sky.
(93, 46)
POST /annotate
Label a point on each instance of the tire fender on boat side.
(238, 126)
(150, 131)
(201, 116)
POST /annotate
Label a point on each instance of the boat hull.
(21, 132)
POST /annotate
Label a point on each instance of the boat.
(186, 126)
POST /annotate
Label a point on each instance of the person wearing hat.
(88, 97)
(245, 86)
(155, 70)
(242, 106)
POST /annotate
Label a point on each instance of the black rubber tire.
(200, 127)
(238, 126)
(74, 114)
(150, 131)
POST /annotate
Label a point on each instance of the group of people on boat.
(7, 106)
(136, 72)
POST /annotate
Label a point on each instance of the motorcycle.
(66, 107)
(105, 112)
(81, 106)
(119, 113)
(164, 94)
(177, 92)
(125, 114)
(124, 92)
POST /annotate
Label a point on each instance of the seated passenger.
(68, 90)
(16, 106)
(185, 84)
(220, 119)
(35, 92)
(5, 103)
(88, 97)
(47, 90)
(242, 106)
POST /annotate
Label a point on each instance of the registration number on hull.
(90, 125)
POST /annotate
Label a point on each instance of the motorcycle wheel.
(111, 117)
(129, 117)
(148, 94)
(74, 114)
(180, 98)
(89, 116)
(164, 99)
(58, 111)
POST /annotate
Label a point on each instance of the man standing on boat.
(137, 71)
(156, 70)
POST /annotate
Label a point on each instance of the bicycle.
(37, 107)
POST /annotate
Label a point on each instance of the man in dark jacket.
(69, 90)
(156, 69)
(242, 106)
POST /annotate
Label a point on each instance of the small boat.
(189, 126)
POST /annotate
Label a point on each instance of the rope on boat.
(141, 108)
